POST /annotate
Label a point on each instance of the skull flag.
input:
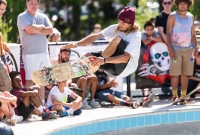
(153, 66)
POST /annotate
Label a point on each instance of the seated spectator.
(7, 105)
(57, 100)
(87, 84)
(26, 98)
(104, 93)
(197, 27)
(194, 81)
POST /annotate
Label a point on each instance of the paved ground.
(40, 127)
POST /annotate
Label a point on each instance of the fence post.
(128, 84)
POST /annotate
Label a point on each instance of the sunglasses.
(169, 3)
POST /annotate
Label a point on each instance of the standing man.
(161, 19)
(182, 44)
(5, 82)
(33, 28)
(120, 58)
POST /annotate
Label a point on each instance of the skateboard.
(64, 71)
(182, 101)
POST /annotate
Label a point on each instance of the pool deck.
(89, 116)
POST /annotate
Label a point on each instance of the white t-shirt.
(62, 97)
(133, 41)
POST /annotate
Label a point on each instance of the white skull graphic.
(160, 56)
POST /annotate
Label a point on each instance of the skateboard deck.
(180, 101)
(64, 71)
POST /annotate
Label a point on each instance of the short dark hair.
(148, 23)
(65, 50)
(188, 2)
(3, 1)
(29, 0)
(13, 74)
(163, 0)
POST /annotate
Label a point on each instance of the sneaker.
(187, 100)
(148, 100)
(135, 105)
(12, 121)
(19, 118)
(94, 104)
(46, 114)
(85, 105)
(62, 113)
(175, 99)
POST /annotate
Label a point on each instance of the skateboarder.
(120, 58)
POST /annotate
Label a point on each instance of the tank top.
(181, 32)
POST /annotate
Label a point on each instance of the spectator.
(97, 29)
(27, 97)
(120, 58)
(161, 19)
(4, 48)
(57, 100)
(194, 81)
(150, 34)
(86, 84)
(33, 28)
(4, 77)
(104, 93)
(197, 27)
(182, 46)
(55, 36)
(7, 105)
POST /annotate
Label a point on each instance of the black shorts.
(191, 86)
(25, 111)
(114, 69)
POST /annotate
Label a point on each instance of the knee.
(111, 97)
(1, 94)
(116, 39)
(82, 80)
(7, 94)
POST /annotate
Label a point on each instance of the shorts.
(34, 62)
(25, 111)
(103, 94)
(77, 112)
(114, 69)
(5, 82)
(191, 86)
(184, 63)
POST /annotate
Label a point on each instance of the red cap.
(127, 15)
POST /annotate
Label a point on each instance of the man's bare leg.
(184, 85)
(111, 48)
(92, 83)
(174, 84)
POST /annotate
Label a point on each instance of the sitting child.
(57, 100)
(7, 105)
(104, 93)
(25, 98)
